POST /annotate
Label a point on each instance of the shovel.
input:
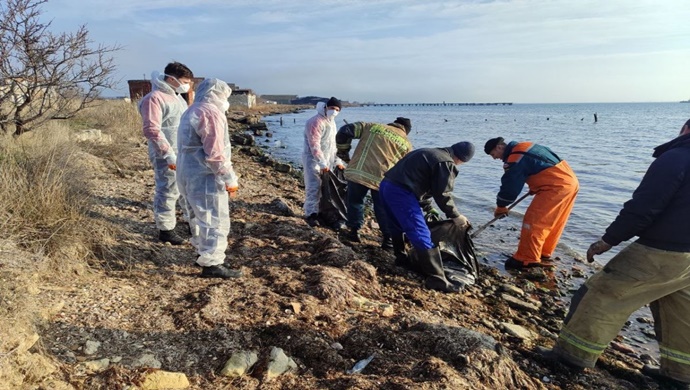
(486, 225)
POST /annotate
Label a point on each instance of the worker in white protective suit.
(161, 110)
(319, 154)
(206, 176)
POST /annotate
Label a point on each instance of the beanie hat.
(406, 123)
(333, 102)
(491, 144)
(463, 150)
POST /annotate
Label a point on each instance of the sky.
(403, 51)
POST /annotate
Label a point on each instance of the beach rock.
(239, 363)
(91, 347)
(159, 380)
(279, 363)
(518, 303)
(147, 360)
(518, 331)
(622, 348)
(243, 139)
(509, 288)
(96, 365)
(284, 168)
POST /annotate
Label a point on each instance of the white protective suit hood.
(158, 83)
(214, 91)
(321, 108)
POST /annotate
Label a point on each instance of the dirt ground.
(326, 302)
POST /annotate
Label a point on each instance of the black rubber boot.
(221, 271)
(387, 242)
(401, 259)
(655, 373)
(171, 237)
(431, 265)
(313, 220)
(353, 235)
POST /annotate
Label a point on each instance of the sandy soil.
(326, 302)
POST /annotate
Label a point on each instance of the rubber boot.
(171, 237)
(655, 373)
(387, 242)
(401, 259)
(353, 235)
(431, 265)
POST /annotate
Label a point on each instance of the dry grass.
(48, 238)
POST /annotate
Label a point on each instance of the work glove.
(501, 212)
(171, 159)
(597, 248)
(460, 221)
(232, 189)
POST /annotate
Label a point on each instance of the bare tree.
(44, 75)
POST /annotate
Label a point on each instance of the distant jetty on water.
(685, 101)
(436, 104)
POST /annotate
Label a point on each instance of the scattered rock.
(243, 139)
(279, 363)
(645, 320)
(296, 307)
(284, 168)
(518, 331)
(337, 346)
(622, 348)
(509, 288)
(159, 380)
(239, 363)
(147, 360)
(96, 365)
(518, 303)
(91, 347)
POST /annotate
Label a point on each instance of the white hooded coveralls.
(160, 111)
(204, 170)
(319, 152)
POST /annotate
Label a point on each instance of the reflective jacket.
(379, 148)
(520, 161)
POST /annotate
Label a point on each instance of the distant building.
(242, 97)
(139, 89)
(280, 99)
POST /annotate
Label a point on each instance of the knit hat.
(406, 123)
(463, 150)
(491, 144)
(333, 102)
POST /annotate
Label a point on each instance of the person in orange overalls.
(554, 186)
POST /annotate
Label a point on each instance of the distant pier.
(436, 104)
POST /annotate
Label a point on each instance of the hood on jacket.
(158, 83)
(213, 91)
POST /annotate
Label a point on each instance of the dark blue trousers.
(355, 207)
(405, 215)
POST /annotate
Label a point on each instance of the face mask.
(181, 88)
(226, 105)
(331, 113)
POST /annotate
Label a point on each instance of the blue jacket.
(659, 211)
(520, 161)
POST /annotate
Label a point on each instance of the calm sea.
(609, 157)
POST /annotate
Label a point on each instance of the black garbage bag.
(457, 251)
(333, 204)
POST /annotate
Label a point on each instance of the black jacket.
(428, 172)
(659, 211)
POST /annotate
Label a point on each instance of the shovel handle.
(486, 225)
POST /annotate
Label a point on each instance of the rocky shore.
(310, 310)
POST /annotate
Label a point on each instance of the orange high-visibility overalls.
(555, 189)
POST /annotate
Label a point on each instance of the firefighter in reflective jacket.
(554, 186)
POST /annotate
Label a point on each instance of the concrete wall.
(248, 100)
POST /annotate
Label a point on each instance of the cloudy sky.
(523, 51)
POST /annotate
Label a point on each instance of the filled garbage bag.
(333, 204)
(457, 252)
